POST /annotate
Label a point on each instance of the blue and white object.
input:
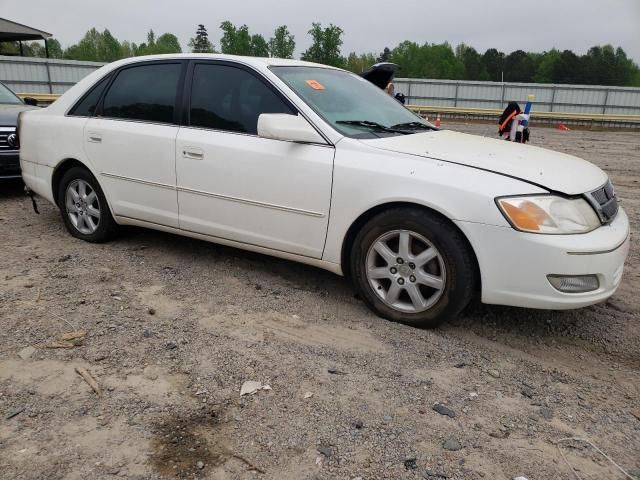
(521, 121)
(527, 111)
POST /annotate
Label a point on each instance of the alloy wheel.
(82, 206)
(406, 271)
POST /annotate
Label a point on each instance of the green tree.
(410, 57)
(55, 49)
(235, 41)
(358, 63)
(601, 65)
(443, 63)
(168, 43)
(95, 46)
(519, 67)
(146, 48)
(200, 43)
(128, 49)
(568, 68)
(108, 47)
(545, 73)
(625, 67)
(493, 61)
(428, 60)
(282, 44)
(9, 48)
(325, 46)
(474, 68)
(28, 49)
(259, 46)
(165, 43)
(604, 65)
(384, 56)
(239, 41)
(37, 49)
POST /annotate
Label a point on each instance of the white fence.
(548, 97)
(40, 75)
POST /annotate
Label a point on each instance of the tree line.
(601, 65)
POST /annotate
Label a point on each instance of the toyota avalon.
(317, 165)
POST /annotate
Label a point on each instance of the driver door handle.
(193, 153)
(94, 137)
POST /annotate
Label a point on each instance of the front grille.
(5, 145)
(605, 202)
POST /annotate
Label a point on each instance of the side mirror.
(292, 128)
(30, 101)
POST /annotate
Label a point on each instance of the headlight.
(549, 214)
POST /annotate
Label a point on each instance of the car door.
(235, 185)
(131, 141)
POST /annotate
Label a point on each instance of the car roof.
(253, 61)
(258, 63)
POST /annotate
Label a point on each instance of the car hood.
(552, 170)
(9, 113)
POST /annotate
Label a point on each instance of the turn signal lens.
(526, 216)
(549, 214)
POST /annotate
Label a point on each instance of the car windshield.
(7, 96)
(352, 105)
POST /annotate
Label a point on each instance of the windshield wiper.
(374, 125)
(414, 126)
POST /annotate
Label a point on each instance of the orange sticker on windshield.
(315, 84)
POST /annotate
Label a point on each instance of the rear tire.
(84, 208)
(414, 267)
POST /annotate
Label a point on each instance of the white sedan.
(315, 164)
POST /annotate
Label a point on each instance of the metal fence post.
(46, 64)
(409, 93)
(455, 100)
(502, 97)
(606, 100)
(553, 96)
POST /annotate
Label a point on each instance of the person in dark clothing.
(505, 124)
(506, 119)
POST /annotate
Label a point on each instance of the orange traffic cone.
(438, 121)
(563, 127)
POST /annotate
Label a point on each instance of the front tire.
(84, 207)
(413, 266)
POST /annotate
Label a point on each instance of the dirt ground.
(175, 326)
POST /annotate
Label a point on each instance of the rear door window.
(144, 92)
(87, 106)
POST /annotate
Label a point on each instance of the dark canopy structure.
(16, 32)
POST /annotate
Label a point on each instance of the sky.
(369, 26)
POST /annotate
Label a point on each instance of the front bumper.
(514, 265)
(9, 165)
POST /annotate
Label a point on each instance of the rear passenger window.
(232, 99)
(145, 92)
(87, 106)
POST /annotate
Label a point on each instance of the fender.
(61, 168)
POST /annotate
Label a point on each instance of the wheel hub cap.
(82, 206)
(406, 271)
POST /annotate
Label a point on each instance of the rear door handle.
(95, 137)
(193, 153)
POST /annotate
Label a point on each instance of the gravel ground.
(175, 326)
